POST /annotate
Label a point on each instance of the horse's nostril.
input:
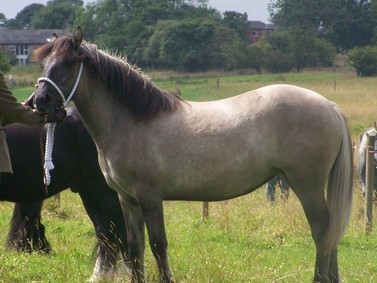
(47, 98)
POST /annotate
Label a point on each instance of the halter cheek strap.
(48, 164)
(68, 99)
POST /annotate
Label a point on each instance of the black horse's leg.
(27, 233)
(135, 237)
(102, 209)
(152, 208)
(116, 233)
(108, 250)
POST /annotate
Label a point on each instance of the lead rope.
(41, 146)
(48, 164)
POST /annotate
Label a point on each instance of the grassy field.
(245, 239)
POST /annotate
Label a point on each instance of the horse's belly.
(212, 185)
(207, 193)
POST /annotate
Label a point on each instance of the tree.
(354, 25)
(4, 64)
(305, 47)
(277, 58)
(296, 48)
(3, 20)
(181, 44)
(58, 14)
(125, 26)
(345, 23)
(194, 45)
(256, 56)
(238, 22)
(24, 17)
(182, 34)
(77, 3)
(314, 16)
(364, 60)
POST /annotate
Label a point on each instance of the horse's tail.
(339, 191)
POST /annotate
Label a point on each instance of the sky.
(255, 9)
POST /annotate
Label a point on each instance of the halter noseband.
(65, 101)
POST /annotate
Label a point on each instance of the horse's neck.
(101, 115)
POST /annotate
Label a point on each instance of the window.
(21, 51)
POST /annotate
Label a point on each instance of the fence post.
(369, 177)
(205, 209)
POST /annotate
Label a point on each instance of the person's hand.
(58, 115)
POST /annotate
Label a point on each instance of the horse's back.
(277, 117)
(284, 103)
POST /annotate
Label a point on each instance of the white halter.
(65, 101)
(48, 164)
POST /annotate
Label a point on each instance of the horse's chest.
(119, 171)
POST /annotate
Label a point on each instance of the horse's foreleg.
(152, 208)
(135, 237)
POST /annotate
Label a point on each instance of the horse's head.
(62, 67)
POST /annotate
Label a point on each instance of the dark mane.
(127, 85)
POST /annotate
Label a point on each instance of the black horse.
(76, 167)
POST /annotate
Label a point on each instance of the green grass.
(221, 86)
(243, 240)
(71, 235)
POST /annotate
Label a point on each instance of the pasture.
(245, 239)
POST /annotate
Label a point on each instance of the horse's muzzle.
(42, 103)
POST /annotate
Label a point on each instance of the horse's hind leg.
(334, 272)
(27, 233)
(312, 198)
(318, 219)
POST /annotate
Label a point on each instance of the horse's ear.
(77, 37)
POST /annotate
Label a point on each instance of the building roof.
(260, 25)
(28, 36)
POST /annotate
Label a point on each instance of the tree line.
(189, 35)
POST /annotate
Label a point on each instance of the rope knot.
(49, 165)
